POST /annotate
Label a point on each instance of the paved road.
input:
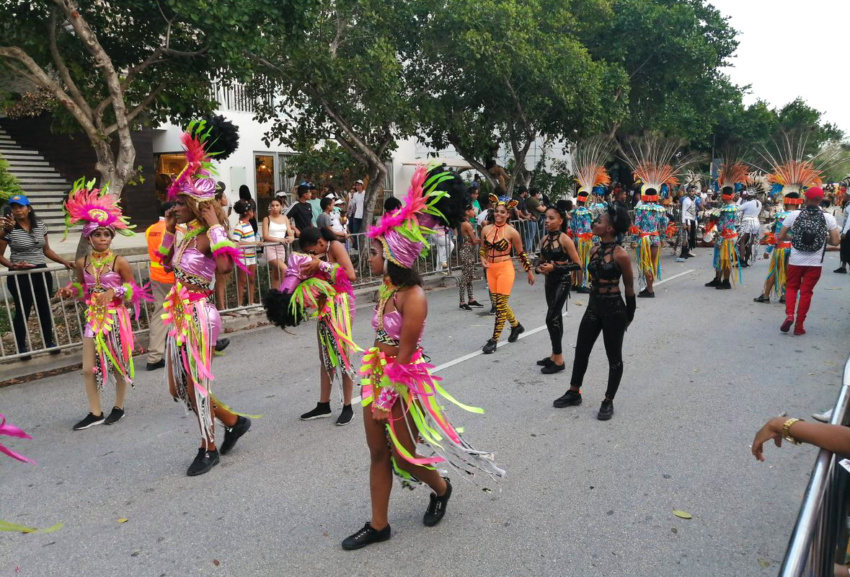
(704, 369)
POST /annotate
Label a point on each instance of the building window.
(168, 166)
(265, 179)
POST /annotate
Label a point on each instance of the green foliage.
(9, 186)
(329, 164)
(555, 181)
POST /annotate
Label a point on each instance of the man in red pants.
(811, 229)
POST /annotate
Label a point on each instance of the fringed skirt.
(584, 245)
(648, 267)
(112, 331)
(726, 257)
(193, 327)
(336, 344)
(437, 440)
(779, 269)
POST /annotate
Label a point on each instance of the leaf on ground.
(578, 304)
(764, 563)
(216, 562)
(682, 514)
(123, 520)
(15, 528)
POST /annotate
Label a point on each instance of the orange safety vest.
(154, 237)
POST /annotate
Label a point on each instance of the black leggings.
(27, 289)
(605, 314)
(845, 250)
(557, 292)
(691, 228)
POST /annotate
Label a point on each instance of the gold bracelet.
(786, 431)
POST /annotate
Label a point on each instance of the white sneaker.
(691, 254)
(823, 417)
(680, 259)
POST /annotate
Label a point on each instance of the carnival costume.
(656, 163)
(402, 234)
(780, 251)
(500, 275)
(192, 319)
(108, 325)
(726, 256)
(581, 220)
(330, 294)
(557, 287)
(587, 164)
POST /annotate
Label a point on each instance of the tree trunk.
(377, 177)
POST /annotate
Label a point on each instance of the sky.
(812, 66)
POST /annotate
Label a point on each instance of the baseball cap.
(811, 194)
(24, 201)
(522, 188)
(358, 182)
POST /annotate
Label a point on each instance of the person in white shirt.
(845, 241)
(689, 223)
(750, 210)
(805, 266)
(355, 207)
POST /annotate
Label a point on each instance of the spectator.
(473, 192)
(536, 211)
(220, 189)
(355, 207)
(161, 283)
(325, 218)
(301, 213)
(810, 230)
(845, 241)
(245, 236)
(26, 237)
(245, 194)
(276, 228)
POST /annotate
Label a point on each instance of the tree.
(327, 165)
(343, 81)
(672, 52)
(511, 72)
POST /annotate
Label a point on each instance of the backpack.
(808, 233)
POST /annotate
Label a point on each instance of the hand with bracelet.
(833, 438)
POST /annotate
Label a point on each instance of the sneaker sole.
(203, 471)
(560, 406)
(360, 546)
(89, 426)
(316, 417)
(106, 422)
(348, 422)
(604, 417)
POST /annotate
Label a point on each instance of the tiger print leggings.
(467, 264)
(503, 313)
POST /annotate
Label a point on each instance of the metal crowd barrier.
(820, 536)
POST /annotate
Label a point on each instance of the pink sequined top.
(194, 267)
(108, 280)
(392, 325)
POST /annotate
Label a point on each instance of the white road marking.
(472, 355)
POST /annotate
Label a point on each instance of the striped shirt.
(26, 246)
(244, 232)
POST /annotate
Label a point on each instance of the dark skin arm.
(223, 264)
(413, 307)
(66, 292)
(515, 239)
(833, 438)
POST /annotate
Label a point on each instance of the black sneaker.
(205, 461)
(782, 300)
(322, 411)
(583, 290)
(568, 399)
(606, 410)
(544, 362)
(841, 270)
(437, 507)
(345, 416)
(221, 344)
(551, 369)
(366, 536)
(89, 421)
(713, 283)
(475, 304)
(232, 434)
(761, 299)
(725, 285)
(492, 310)
(645, 294)
(490, 347)
(465, 307)
(515, 333)
(154, 366)
(115, 416)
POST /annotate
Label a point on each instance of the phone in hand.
(7, 210)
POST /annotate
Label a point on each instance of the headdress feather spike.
(656, 160)
(195, 179)
(587, 162)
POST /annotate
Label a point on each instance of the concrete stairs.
(40, 182)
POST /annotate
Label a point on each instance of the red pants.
(803, 279)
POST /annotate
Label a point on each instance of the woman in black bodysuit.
(606, 312)
(558, 256)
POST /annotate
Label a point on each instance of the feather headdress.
(656, 161)
(587, 163)
(789, 165)
(758, 182)
(403, 232)
(195, 179)
(95, 207)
